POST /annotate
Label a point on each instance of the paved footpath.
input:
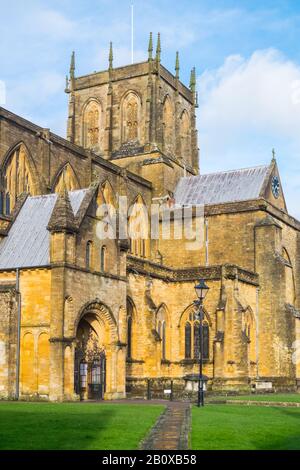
(171, 431)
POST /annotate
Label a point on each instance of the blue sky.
(247, 55)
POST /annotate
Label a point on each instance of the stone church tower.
(87, 316)
(140, 116)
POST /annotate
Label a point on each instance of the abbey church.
(84, 316)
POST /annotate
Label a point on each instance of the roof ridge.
(223, 186)
(37, 196)
(228, 171)
(42, 196)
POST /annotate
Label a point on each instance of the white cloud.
(261, 93)
(248, 106)
(50, 23)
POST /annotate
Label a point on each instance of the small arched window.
(7, 204)
(103, 259)
(129, 337)
(88, 255)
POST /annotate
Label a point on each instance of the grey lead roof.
(27, 243)
(223, 187)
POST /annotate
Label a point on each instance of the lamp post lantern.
(201, 290)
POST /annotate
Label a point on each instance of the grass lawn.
(47, 426)
(278, 397)
(233, 427)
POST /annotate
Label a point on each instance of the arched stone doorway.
(98, 371)
(90, 360)
(95, 352)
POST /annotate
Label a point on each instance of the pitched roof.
(223, 187)
(62, 217)
(28, 240)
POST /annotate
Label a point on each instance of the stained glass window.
(88, 255)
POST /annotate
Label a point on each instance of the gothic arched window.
(161, 328)
(168, 126)
(108, 194)
(131, 118)
(138, 228)
(106, 200)
(17, 176)
(192, 338)
(66, 179)
(91, 125)
(185, 136)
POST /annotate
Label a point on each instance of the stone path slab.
(171, 432)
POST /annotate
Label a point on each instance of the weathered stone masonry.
(111, 318)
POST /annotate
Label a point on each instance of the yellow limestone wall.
(53, 300)
(35, 333)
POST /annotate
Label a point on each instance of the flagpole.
(132, 26)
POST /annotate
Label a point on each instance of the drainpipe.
(18, 335)
(206, 242)
(257, 333)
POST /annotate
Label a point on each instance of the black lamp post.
(201, 291)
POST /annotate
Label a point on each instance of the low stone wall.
(160, 388)
(255, 403)
(183, 389)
